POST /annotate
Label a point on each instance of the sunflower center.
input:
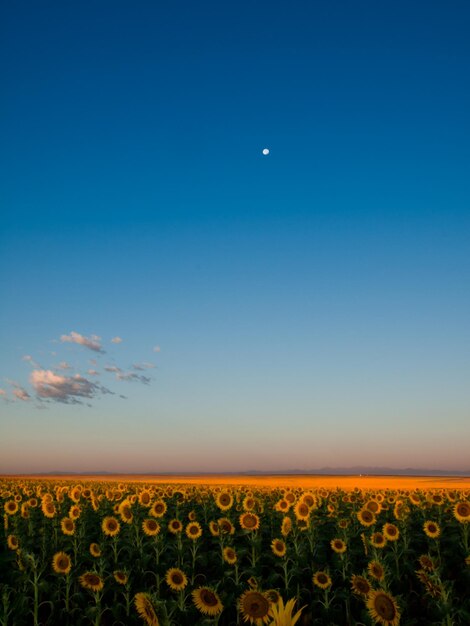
(385, 607)
(463, 509)
(256, 605)
(208, 598)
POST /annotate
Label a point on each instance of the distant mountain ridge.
(367, 471)
(358, 470)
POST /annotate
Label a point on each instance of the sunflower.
(224, 500)
(249, 503)
(150, 527)
(343, 523)
(67, 525)
(273, 596)
(158, 508)
(225, 526)
(125, 511)
(391, 532)
(12, 542)
(309, 499)
(120, 577)
(376, 570)
(48, 508)
(427, 562)
(207, 601)
(321, 580)
(92, 581)
(366, 517)
(110, 526)
(61, 563)
(282, 505)
(338, 546)
(373, 506)
(383, 608)
(378, 540)
(252, 583)
(401, 510)
(229, 554)
(290, 497)
(95, 550)
(145, 497)
(414, 498)
(10, 507)
(360, 585)
(74, 511)
(432, 588)
(278, 547)
(431, 529)
(462, 512)
(176, 579)
(145, 609)
(175, 526)
(193, 530)
(286, 526)
(301, 510)
(214, 528)
(254, 607)
(249, 521)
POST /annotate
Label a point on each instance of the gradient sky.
(311, 307)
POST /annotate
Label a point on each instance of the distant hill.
(368, 471)
(332, 471)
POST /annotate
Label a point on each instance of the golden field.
(234, 549)
(301, 481)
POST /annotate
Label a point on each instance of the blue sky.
(311, 306)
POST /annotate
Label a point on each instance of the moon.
(265, 151)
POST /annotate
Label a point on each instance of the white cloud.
(93, 372)
(67, 389)
(116, 340)
(156, 349)
(63, 365)
(92, 342)
(112, 368)
(21, 394)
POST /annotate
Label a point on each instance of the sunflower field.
(125, 554)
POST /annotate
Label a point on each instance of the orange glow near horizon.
(303, 481)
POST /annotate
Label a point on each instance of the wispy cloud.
(140, 367)
(59, 381)
(29, 359)
(92, 342)
(132, 377)
(66, 389)
(21, 394)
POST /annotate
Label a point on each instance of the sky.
(173, 299)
